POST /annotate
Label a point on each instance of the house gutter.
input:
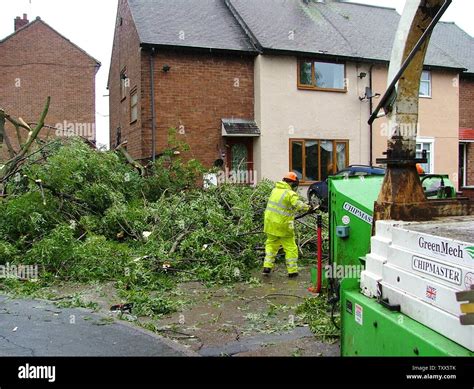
(196, 49)
(152, 100)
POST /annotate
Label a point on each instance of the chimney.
(19, 22)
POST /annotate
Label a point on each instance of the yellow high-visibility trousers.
(272, 246)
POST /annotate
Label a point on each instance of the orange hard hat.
(420, 169)
(291, 176)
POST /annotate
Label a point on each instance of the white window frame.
(466, 144)
(430, 83)
(432, 151)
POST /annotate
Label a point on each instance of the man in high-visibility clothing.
(420, 169)
(279, 224)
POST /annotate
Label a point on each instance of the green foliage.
(147, 304)
(83, 215)
(76, 301)
(19, 288)
(8, 252)
(28, 217)
(316, 312)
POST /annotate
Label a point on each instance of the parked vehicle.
(432, 183)
(318, 192)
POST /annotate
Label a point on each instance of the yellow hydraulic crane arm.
(400, 103)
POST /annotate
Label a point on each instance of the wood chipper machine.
(415, 255)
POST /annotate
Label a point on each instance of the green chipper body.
(368, 328)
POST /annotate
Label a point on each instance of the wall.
(309, 114)
(438, 119)
(466, 102)
(126, 54)
(466, 120)
(198, 91)
(36, 63)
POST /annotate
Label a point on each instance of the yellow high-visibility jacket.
(282, 207)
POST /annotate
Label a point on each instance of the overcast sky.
(90, 25)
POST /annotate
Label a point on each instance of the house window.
(425, 84)
(319, 75)
(118, 136)
(133, 106)
(124, 84)
(426, 145)
(465, 168)
(315, 160)
(462, 164)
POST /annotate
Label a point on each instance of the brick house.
(314, 71)
(465, 46)
(182, 67)
(466, 134)
(36, 61)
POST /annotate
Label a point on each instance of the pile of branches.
(26, 138)
(85, 215)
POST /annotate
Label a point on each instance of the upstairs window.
(425, 84)
(134, 106)
(124, 84)
(319, 75)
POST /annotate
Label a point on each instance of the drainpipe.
(152, 100)
(371, 128)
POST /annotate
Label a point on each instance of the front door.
(239, 161)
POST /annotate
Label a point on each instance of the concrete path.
(39, 328)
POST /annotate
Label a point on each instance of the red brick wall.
(36, 63)
(466, 110)
(466, 191)
(125, 55)
(199, 90)
(466, 102)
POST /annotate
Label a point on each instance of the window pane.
(134, 106)
(134, 99)
(329, 75)
(462, 164)
(341, 156)
(312, 164)
(425, 83)
(297, 158)
(425, 88)
(239, 157)
(327, 167)
(419, 154)
(134, 114)
(305, 73)
(425, 75)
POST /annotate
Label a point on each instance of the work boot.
(293, 275)
(267, 271)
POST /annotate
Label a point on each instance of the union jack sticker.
(431, 293)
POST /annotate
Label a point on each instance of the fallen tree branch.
(178, 241)
(129, 159)
(12, 165)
